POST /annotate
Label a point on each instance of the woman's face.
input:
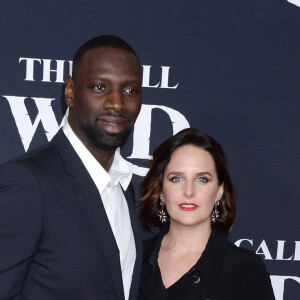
(190, 187)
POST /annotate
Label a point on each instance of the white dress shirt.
(114, 202)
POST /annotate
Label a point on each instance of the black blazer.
(224, 272)
(55, 239)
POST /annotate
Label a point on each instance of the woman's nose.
(189, 190)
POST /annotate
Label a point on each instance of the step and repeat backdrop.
(230, 68)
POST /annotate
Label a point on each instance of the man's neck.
(104, 157)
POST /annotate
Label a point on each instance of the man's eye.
(100, 87)
(175, 179)
(130, 91)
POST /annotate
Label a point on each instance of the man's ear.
(69, 91)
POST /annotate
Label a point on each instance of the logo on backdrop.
(296, 2)
(280, 254)
(55, 70)
(35, 65)
(263, 249)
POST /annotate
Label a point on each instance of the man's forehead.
(109, 62)
(111, 68)
(108, 54)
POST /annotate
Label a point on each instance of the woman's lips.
(188, 206)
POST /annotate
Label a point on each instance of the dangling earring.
(215, 214)
(162, 214)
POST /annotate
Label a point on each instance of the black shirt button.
(194, 276)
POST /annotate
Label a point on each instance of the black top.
(224, 272)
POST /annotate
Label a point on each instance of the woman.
(188, 191)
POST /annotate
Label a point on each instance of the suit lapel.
(129, 195)
(91, 202)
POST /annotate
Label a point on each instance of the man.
(68, 228)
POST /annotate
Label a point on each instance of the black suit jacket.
(224, 272)
(55, 239)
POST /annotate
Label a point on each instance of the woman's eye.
(175, 179)
(203, 179)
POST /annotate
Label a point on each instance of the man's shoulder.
(42, 158)
(36, 155)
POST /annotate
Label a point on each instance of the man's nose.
(115, 101)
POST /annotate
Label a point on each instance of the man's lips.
(113, 120)
(112, 125)
(188, 206)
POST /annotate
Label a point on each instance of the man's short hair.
(101, 41)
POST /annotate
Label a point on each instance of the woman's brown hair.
(151, 187)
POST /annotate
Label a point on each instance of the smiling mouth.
(112, 125)
(113, 120)
(188, 206)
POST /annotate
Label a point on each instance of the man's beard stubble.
(103, 140)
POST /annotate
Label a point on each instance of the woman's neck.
(186, 239)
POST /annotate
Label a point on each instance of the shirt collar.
(211, 260)
(118, 173)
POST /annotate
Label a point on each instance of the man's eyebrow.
(107, 79)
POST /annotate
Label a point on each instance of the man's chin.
(108, 144)
(109, 141)
(104, 140)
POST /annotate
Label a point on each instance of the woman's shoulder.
(243, 274)
(246, 263)
(152, 245)
(148, 244)
(242, 256)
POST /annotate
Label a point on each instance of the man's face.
(105, 97)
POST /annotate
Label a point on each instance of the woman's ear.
(220, 192)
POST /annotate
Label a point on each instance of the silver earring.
(215, 213)
(162, 214)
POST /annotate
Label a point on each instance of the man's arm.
(21, 225)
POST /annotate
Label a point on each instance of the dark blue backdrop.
(237, 67)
